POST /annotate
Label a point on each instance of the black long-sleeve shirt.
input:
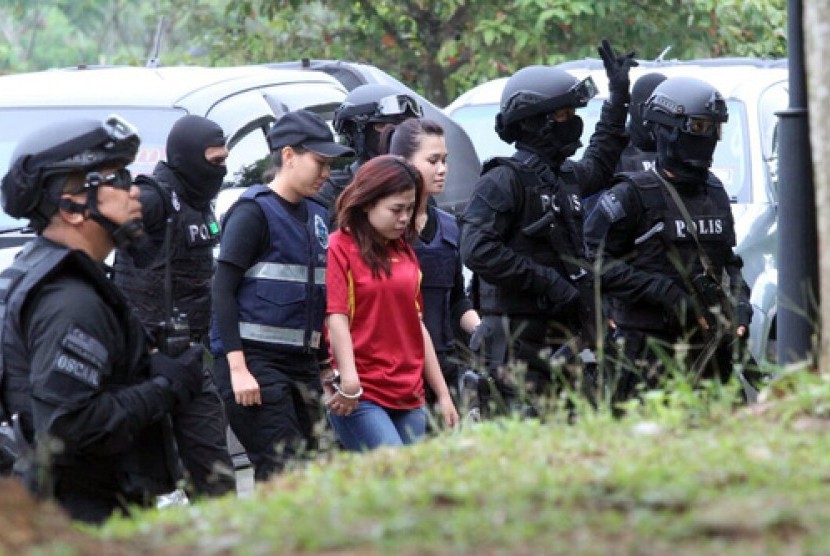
(488, 220)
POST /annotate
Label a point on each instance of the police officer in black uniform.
(522, 230)
(178, 196)
(92, 403)
(665, 237)
(365, 112)
(637, 156)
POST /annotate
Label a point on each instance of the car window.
(244, 117)
(479, 121)
(153, 126)
(249, 148)
(772, 168)
(731, 163)
(771, 101)
(320, 98)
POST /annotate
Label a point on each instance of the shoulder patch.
(77, 369)
(174, 200)
(79, 343)
(611, 206)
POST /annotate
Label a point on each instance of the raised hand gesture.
(617, 68)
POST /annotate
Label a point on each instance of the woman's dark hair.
(405, 138)
(276, 156)
(377, 179)
(276, 162)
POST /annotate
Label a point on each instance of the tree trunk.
(816, 26)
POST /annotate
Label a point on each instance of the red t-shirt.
(384, 319)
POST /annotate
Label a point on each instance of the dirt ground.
(28, 526)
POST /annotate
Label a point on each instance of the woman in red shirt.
(381, 348)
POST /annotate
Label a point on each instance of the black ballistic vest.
(663, 244)
(439, 260)
(194, 235)
(547, 229)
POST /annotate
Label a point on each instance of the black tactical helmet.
(686, 115)
(687, 104)
(374, 103)
(642, 136)
(44, 159)
(368, 104)
(535, 90)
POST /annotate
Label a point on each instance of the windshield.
(153, 126)
(730, 161)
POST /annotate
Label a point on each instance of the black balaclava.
(186, 145)
(688, 157)
(371, 142)
(366, 139)
(556, 141)
(641, 133)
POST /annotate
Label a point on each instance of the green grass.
(687, 473)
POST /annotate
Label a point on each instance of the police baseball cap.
(302, 128)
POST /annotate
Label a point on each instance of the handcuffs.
(333, 380)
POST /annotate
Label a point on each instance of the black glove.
(564, 296)
(743, 315)
(184, 373)
(677, 302)
(616, 68)
(481, 333)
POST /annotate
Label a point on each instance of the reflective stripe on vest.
(285, 273)
(276, 335)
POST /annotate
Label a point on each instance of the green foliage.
(54, 33)
(456, 44)
(685, 473)
(440, 48)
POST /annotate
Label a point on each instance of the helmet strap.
(122, 234)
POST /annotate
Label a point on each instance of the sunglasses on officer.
(120, 179)
(398, 105)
